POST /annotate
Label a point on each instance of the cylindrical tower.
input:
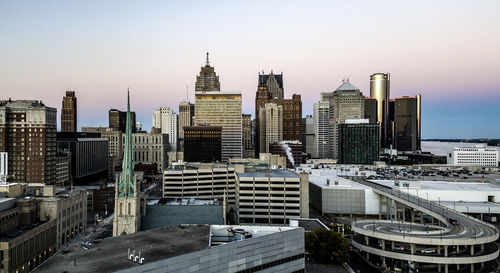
(419, 121)
(380, 90)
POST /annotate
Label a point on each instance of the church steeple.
(126, 187)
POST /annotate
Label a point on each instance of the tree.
(327, 246)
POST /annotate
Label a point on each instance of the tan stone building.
(271, 125)
(68, 113)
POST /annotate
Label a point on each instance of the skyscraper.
(186, 116)
(68, 113)
(358, 142)
(321, 128)
(248, 151)
(406, 124)
(215, 108)
(127, 201)
(371, 110)
(117, 120)
(419, 122)
(165, 119)
(347, 102)
(207, 80)
(28, 135)
(262, 96)
(274, 84)
(271, 125)
(308, 135)
(380, 85)
(202, 144)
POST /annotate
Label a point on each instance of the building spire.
(208, 62)
(126, 187)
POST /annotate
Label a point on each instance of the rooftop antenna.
(208, 63)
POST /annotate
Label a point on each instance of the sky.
(448, 51)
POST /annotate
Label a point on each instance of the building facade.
(358, 142)
(248, 149)
(371, 110)
(274, 84)
(117, 120)
(222, 109)
(63, 168)
(380, 85)
(115, 147)
(202, 143)
(406, 127)
(28, 135)
(321, 129)
(347, 102)
(271, 125)
(186, 118)
(165, 119)
(291, 150)
(150, 148)
(68, 113)
(308, 135)
(207, 80)
(474, 156)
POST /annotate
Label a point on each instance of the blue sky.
(448, 51)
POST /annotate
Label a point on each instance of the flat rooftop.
(321, 181)
(446, 186)
(110, 254)
(270, 173)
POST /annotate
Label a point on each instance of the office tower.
(371, 110)
(89, 156)
(380, 84)
(292, 117)
(405, 124)
(248, 151)
(274, 84)
(419, 122)
(347, 102)
(28, 135)
(150, 149)
(215, 108)
(186, 116)
(117, 120)
(68, 113)
(291, 150)
(115, 148)
(207, 80)
(308, 135)
(202, 143)
(127, 201)
(271, 125)
(262, 96)
(358, 142)
(165, 119)
(321, 127)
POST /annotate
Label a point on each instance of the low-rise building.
(150, 148)
(474, 156)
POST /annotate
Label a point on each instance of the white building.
(321, 129)
(271, 125)
(166, 120)
(477, 155)
(150, 148)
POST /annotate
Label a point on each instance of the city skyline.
(444, 51)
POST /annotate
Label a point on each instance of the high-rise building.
(115, 147)
(380, 85)
(202, 143)
(292, 117)
(406, 124)
(165, 119)
(117, 120)
(127, 201)
(358, 142)
(68, 113)
(248, 151)
(150, 149)
(290, 150)
(419, 122)
(308, 135)
(274, 84)
(207, 80)
(371, 110)
(186, 118)
(28, 135)
(321, 128)
(271, 125)
(347, 102)
(262, 97)
(215, 108)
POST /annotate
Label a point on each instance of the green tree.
(327, 246)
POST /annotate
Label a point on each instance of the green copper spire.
(127, 180)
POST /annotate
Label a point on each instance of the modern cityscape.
(268, 153)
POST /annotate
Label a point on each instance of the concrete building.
(271, 197)
(274, 84)
(347, 102)
(271, 125)
(474, 156)
(202, 144)
(89, 156)
(150, 149)
(248, 149)
(28, 135)
(69, 113)
(209, 181)
(308, 135)
(63, 168)
(115, 147)
(358, 142)
(291, 150)
(165, 119)
(380, 87)
(406, 127)
(321, 129)
(223, 109)
(186, 118)
(117, 120)
(207, 80)
(191, 249)
(127, 218)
